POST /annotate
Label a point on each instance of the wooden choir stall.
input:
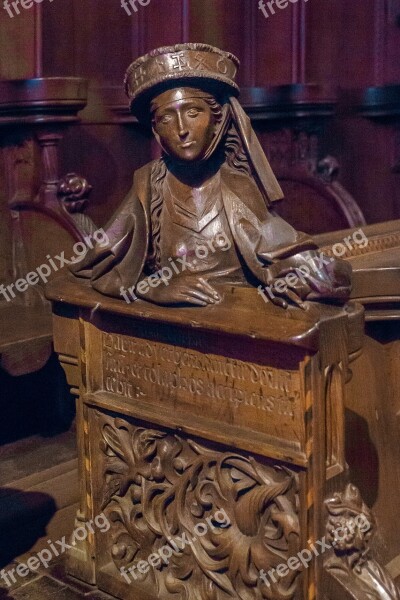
(212, 398)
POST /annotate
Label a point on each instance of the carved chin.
(186, 154)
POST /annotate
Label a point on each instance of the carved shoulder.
(245, 188)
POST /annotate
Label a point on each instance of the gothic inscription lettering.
(136, 368)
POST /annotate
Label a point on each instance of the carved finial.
(74, 190)
(350, 524)
(349, 530)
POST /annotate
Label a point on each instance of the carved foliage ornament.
(159, 487)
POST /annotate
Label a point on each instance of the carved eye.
(165, 119)
(193, 112)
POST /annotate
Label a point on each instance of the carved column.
(39, 110)
(33, 117)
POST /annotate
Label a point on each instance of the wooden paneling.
(272, 39)
(69, 42)
(161, 24)
(348, 44)
(365, 149)
(17, 39)
(107, 155)
(221, 23)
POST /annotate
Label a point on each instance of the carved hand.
(183, 290)
(305, 276)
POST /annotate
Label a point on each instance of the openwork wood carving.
(159, 486)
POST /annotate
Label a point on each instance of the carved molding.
(294, 156)
(158, 486)
(41, 109)
(73, 192)
(328, 169)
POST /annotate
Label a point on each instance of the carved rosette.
(158, 487)
(350, 528)
(74, 191)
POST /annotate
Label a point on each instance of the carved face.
(183, 125)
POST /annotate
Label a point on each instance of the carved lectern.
(182, 414)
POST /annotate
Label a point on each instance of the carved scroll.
(157, 487)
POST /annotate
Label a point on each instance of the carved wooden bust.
(201, 217)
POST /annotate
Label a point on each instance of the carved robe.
(266, 243)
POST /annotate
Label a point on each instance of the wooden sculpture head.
(184, 122)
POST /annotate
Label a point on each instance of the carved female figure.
(203, 212)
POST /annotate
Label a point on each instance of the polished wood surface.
(296, 327)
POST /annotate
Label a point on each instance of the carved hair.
(235, 157)
(158, 174)
(233, 147)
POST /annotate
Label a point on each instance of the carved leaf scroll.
(158, 487)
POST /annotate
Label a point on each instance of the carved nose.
(183, 130)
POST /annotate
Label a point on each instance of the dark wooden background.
(351, 44)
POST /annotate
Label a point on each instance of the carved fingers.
(184, 290)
